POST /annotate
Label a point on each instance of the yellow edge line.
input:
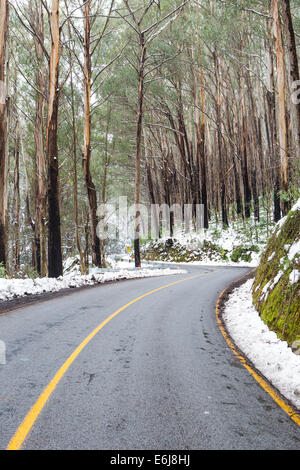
(28, 422)
(267, 387)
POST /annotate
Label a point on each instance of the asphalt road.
(159, 375)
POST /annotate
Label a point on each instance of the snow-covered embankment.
(15, 288)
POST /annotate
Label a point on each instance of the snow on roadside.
(271, 356)
(240, 264)
(14, 288)
(210, 263)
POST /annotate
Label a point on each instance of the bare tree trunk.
(245, 168)
(254, 137)
(202, 146)
(274, 151)
(75, 173)
(294, 64)
(104, 183)
(282, 112)
(91, 190)
(219, 143)
(144, 40)
(86, 244)
(137, 255)
(17, 223)
(54, 232)
(41, 191)
(4, 12)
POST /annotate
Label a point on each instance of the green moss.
(280, 307)
(171, 250)
(175, 252)
(2, 271)
(243, 253)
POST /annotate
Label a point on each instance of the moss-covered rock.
(276, 289)
(173, 251)
(243, 253)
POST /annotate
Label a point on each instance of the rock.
(296, 348)
(169, 243)
(297, 391)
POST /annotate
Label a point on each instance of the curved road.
(159, 375)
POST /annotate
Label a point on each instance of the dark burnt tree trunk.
(55, 268)
(273, 145)
(282, 106)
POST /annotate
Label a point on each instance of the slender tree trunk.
(154, 199)
(253, 132)
(199, 117)
(294, 63)
(75, 183)
(75, 173)
(55, 268)
(17, 223)
(137, 255)
(245, 168)
(4, 11)
(104, 183)
(203, 156)
(86, 242)
(41, 191)
(282, 111)
(91, 190)
(219, 143)
(273, 146)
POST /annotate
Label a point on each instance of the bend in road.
(159, 375)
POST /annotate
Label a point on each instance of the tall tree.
(244, 145)
(40, 158)
(272, 133)
(293, 57)
(4, 12)
(55, 268)
(222, 175)
(75, 166)
(145, 36)
(282, 107)
(91, 190)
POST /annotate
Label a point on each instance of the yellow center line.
(267, 387)
(30, 419)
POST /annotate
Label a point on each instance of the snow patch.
(294, 276)
(294, 251)
(14, 288)
(296, 207)
(265, 290)
(272, 256)
(273, 357)
(280, 223)
(276, 279)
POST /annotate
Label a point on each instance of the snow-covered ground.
(271, 356)
(238, 245)
(14, 288)
(208, 262)
(227, 238)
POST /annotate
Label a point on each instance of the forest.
(164, 102)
